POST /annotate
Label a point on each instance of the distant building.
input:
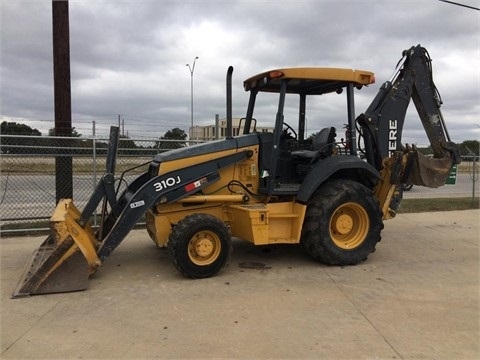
(208, 132)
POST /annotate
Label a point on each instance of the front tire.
(200, 246)
(342, 224)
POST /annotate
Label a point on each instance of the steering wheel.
(288, 127)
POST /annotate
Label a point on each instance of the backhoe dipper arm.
(383, 121)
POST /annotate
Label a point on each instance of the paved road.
(34, 196)
(416, 297)
(463, 188)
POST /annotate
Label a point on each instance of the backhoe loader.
(330, 196)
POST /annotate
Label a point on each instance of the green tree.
(14, 128)
(469, 146)
(126, 145)
(75, 133)
(173, 134)
(24, 137)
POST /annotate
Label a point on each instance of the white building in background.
(212, 132)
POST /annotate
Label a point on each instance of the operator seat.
(322, 145)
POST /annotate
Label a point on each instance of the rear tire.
(342, 224)
(200, 245)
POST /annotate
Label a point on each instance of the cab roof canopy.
(309, 81)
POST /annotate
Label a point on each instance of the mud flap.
(54, 269)
(428, 171)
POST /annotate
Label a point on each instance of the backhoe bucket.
(428, 171)
(65, 260)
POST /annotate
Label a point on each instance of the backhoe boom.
(382, 126)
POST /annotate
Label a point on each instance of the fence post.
(474, 178)
(94, 159)
(474, 173)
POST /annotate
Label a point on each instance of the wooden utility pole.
(62, 96)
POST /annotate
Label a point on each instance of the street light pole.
(191, 69)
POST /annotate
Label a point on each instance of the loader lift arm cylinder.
(105, 189)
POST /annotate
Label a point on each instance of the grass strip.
(438, 204)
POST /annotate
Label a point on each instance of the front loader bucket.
(54, 269)
(65, 260)
(428, 171)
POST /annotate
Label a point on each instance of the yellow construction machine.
(281, 187)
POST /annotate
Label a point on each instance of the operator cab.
(290, 152)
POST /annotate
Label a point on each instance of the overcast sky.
(128, 57)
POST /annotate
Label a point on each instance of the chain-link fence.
(462, 182)
(28, 165)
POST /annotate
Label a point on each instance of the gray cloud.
(128, 57)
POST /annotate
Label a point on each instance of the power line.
(458, 4)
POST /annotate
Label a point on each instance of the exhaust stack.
(229, 130)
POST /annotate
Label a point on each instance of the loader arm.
(73, 252)
(158, 190)
(382, 124)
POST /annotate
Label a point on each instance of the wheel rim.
(204, 248)
(349, 225)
